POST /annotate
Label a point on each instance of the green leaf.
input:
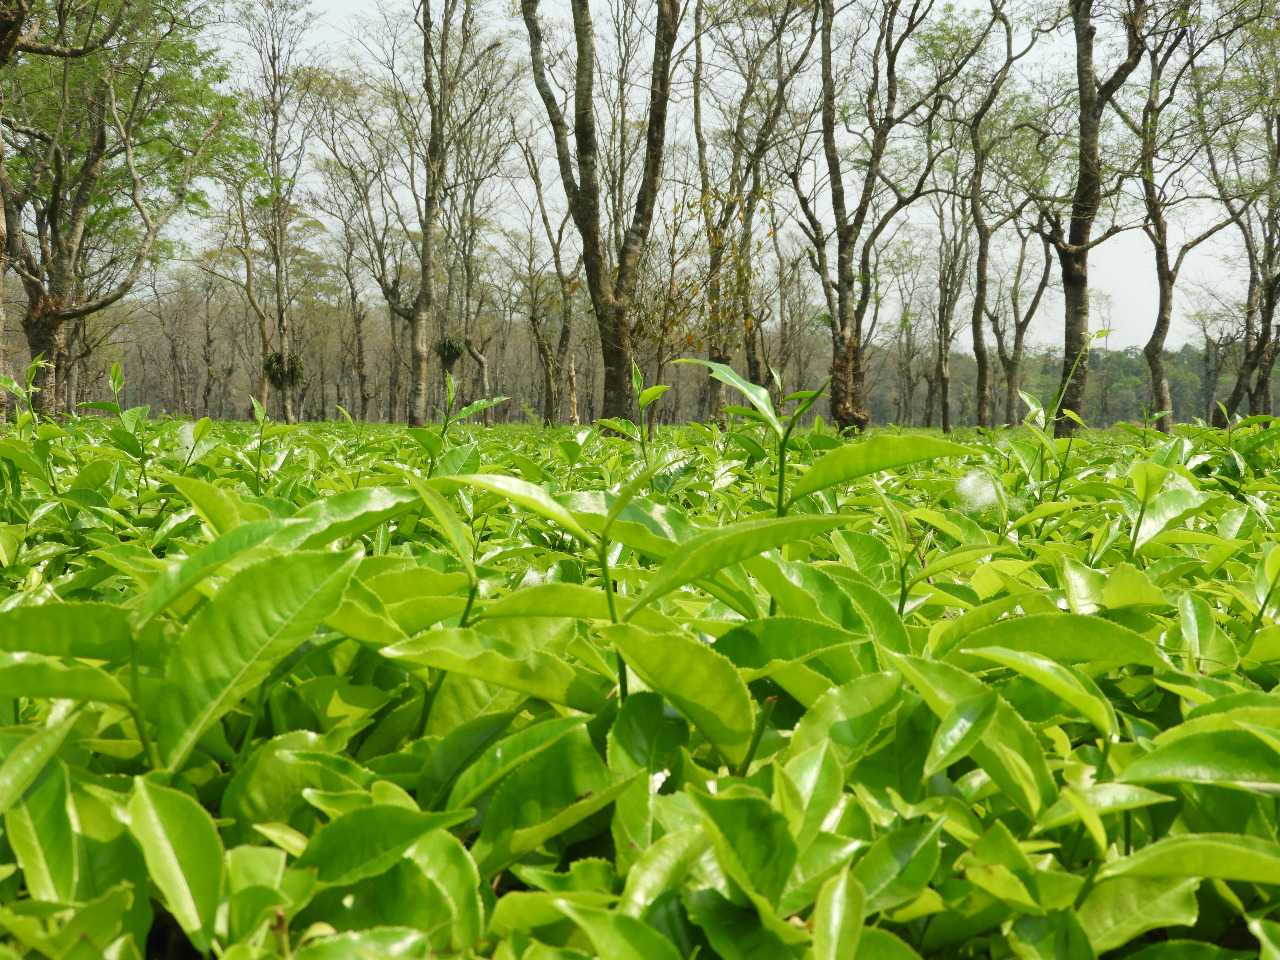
(960, 731)
(961, 557)
(646, 735)
(650, 394)
(368, 841)
(1066, 638)
(503, 661)
(379, 943)
(1102, 799)
(217, 506)
(661, 867)
(699, 682)
(1216, 856)
(736, 932)
(28, 759)
(1010, 752)
(183, 575)
(1268, 935)
(1227, 758)
(898, 866)
(837, 918)
(752, 840)
(847, 717)
(455, 752)
(429, 440)
(44, 840)
(714, 550)
(872, 455)
(1070, 686)
(524, 494)
(459, 537)
(183, 853)
(231, 645)
(616, 935)
(624, 428)
(552, 793)
(479, 406)
(1048, 937)
(1119, 910)
(1165, 510)
(504, 756)
(1208, 648)
(30, 675)
(877, 944)
(346, 515)
(443, 857)
(87, 631)
(756, 395)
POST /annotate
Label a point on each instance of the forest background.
(933, 206)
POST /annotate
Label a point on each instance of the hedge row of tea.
(335, 692)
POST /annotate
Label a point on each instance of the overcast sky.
(1120, 271)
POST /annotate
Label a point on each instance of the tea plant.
(344, 690)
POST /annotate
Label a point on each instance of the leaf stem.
(1257, 619)
(602, 557)
(135, 691)
(471, 599)
(429, 693)
(757, 735)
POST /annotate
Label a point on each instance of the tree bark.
(944, 386)
(419, 365)
(573, 391)
(393, 366)
(1153, 350)
(4, 339)
(982, 229)
(46, 339)
(847, 383)
(981, 357)
(1073, 249)
(482, 364)
(1013, 381)
(1074, 264)
(611, 289)
(362, 370)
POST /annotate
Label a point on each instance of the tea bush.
(338, 691)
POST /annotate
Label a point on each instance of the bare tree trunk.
(550, 395)
(1252, 355)
(944, 386)
(1013, 382)
(1074, 264)
(611, 289)
(848, 383)
(572, 392)
(283, 334)
(1260, 393)
(362, 370)
(4, 340)
(982, 229)
(47, 339)
(419, 365)
(982, 358)
(482, 365)
(393, 366)
(1161, 397)
(1095, 97)
(206, 354)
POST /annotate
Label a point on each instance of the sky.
(1121, 270)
